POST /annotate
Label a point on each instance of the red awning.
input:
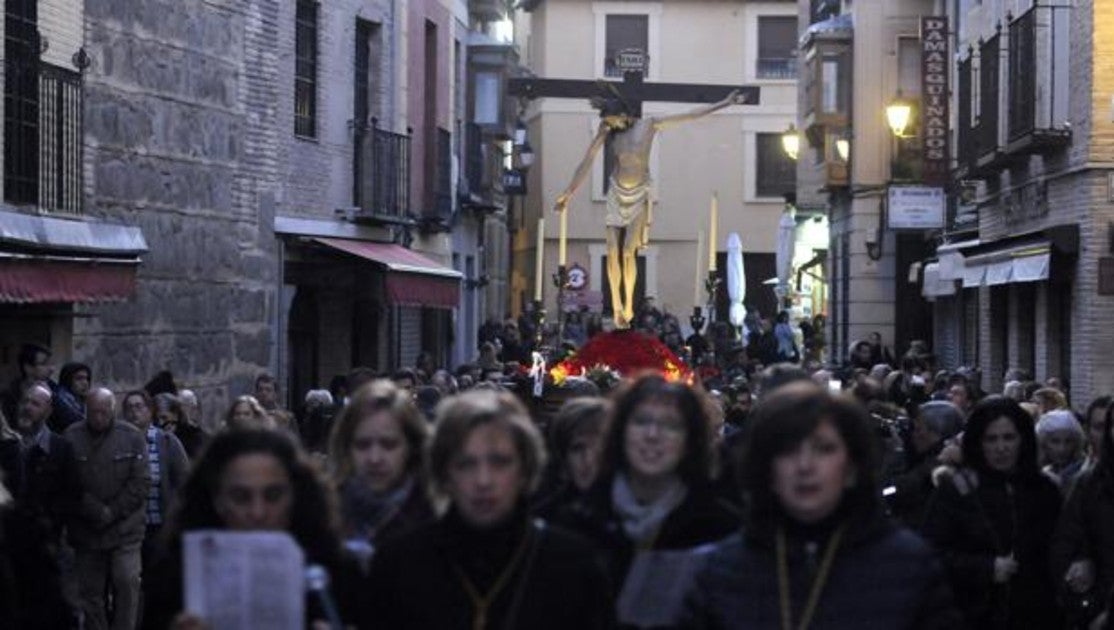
(412, 279)
(35, 280)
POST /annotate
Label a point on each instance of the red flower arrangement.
(626, 352)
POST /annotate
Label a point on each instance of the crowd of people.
(881, 493)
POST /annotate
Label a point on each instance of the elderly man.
(108, 530)
(48, 487)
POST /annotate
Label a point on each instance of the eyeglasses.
(669, 426)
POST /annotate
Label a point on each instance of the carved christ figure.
(629, 206)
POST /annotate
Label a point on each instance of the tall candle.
(699, 277)
(713, 222)
(562, 243)
(538, 256)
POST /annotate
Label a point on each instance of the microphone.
(317, 583)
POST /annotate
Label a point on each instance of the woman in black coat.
(1083, 545)
(654, 494)
(816, 550)
(486, 565)
(994, 519)
(253, 480)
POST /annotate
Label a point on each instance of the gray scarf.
(642, 521)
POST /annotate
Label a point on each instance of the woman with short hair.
(654, 495)
(993, 521)
(816, 549)
(485, 564)
(246, 413)
(376, 454)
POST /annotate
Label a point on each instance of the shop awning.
(934, 284)
(412, 279)
(39, 279)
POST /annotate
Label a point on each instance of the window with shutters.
(624, 32)
(305, 69)
(777, 47)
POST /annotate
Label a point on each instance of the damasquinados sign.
(934, 94)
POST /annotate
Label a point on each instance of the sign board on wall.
(916, 208)
(934, 98)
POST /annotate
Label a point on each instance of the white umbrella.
(736, 280)
(786, 240)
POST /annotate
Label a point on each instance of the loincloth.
(625, 204)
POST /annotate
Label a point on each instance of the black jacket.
(417, 581)
(701, 518)
(49, 488)
(882, 578)
(976, 517)
(30, 585)
(1086, 531)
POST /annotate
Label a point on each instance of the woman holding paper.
(654, 497)
(485, 564)
(376, 455)
(816, 550)
(252, 480)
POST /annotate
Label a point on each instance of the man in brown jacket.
(108, 529)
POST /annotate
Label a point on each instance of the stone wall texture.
(181, 110)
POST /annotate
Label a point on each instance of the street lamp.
(791, 142)
(525, 155)
(898, 113)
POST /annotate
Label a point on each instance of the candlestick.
(563, 237)
(539, 257)
(696, 301)
(713, 224)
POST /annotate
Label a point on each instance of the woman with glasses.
(654, 492)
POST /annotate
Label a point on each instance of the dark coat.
(883, 578)
(701, 518)
(414, 512)
(416, 579)
(49, 489)
(976, 517)
(192, 437)
(913, 488)
(1086, 531)
(163, 581)
(30, 584)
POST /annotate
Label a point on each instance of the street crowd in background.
(779, 489)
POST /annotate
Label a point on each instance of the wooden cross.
(632, 90)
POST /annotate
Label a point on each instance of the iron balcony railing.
(777, 68)
(384, 189)
(989, 53)
(43, 144)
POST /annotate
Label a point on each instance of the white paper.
(654, 591)
(244, 580)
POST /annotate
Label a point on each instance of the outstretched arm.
(734, 98)
(582, 170)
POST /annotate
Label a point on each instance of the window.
(624, 32)
(775, 173)
(305, 70)
(777, 47)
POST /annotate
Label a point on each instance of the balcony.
(965, 131)
(383, 191)
(43, 136)
(777, 68)
(1037, 112)
(989, 154)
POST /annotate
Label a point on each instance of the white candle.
(562, 243)
(539, 255)
(713, 222)
(699, 280)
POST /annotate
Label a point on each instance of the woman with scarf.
(1062, 447)
(485, 564)
(816, 549)
(654, 497)
(993, 521)
(376, 452)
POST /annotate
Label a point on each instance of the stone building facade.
(238, 241)
(1031, 264)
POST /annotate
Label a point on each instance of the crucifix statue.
(629, 204)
